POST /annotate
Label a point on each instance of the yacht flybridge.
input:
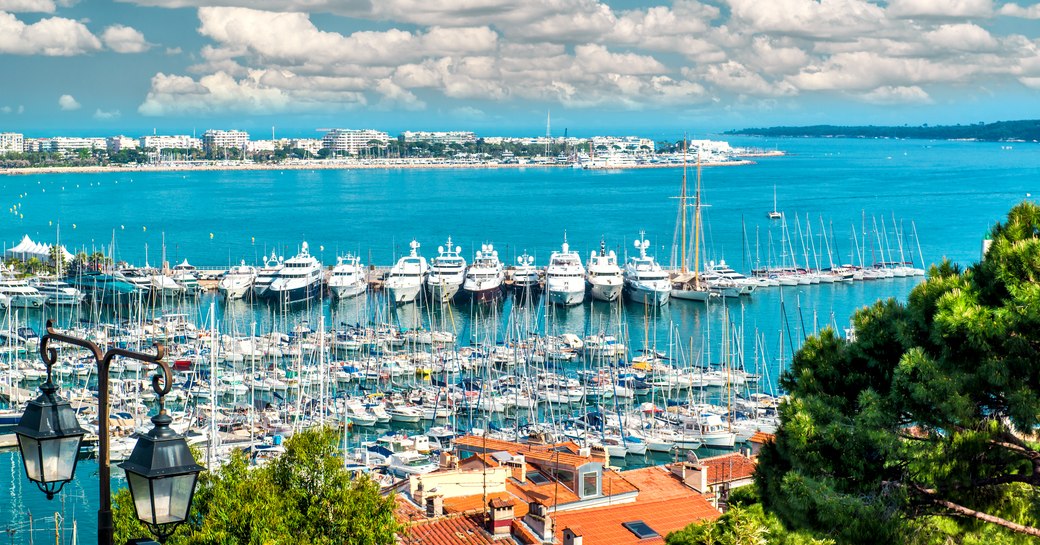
(484, 278)
(298, 280)
(447, 273)
(645, 281)
(348, 277)
(407, 276)
(604, 275)
(565, 277)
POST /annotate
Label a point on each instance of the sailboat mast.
(697, 227)
(682, 207)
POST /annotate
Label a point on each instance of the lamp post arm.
(49, 355)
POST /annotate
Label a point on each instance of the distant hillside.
(1000, 131)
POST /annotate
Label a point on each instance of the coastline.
(392, 164)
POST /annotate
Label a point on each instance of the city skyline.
(657, 68)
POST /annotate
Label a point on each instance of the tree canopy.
(303, 497)
(921, 428)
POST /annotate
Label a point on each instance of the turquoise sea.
(951, 192)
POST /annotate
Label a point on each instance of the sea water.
(948, 193)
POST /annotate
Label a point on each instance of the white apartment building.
(215, 140)
(254, 146)
(312, 145)
(161, 142)
(11, 142)
(71, 143)
(450, 137)
(351, 141)
(115, 144)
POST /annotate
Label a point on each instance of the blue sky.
(497, 66)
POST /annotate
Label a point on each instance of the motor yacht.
(407, 276)
(565, 277)
(237, 281)
(604, 275)
(299, 279)
(21, 293)
(186, 275)
(484, 277)
(525, 276)
(266, 275)
(645, 281)
(348, 277)
(447, 273)
(57, 292)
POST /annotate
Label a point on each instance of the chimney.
(501, 521)
(519, 466)
(449, 461)
(585, 452)
(572, 536)
(434, 505)
(539, 520)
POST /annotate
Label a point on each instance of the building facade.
(11, 142)
(215, 140)
(115, 144)
(352, 141)
(161, 142)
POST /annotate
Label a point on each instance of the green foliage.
(927, 415)
(743, 525)
(303, 497)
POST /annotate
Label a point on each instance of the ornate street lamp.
(49, 437)
(161, 470)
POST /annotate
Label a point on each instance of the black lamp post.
(161, 470)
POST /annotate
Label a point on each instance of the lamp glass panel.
(141, 491)
(173, 497)
(65, 463)
(31, 457)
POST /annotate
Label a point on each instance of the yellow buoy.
(211, 236)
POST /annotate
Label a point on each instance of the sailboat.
(687, 285)
(775, 214)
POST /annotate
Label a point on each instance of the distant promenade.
(350, 164)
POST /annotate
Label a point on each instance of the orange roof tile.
(603, 524)
(761, 438)
(475, 503)
(447, 531)
(729, 467)
(657, 483)
(523, 534)
(472, 443)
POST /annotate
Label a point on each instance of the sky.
(659, 69)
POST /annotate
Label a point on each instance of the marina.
(640, 384)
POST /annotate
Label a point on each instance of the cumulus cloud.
(67, 103)
(1025, 12)
(124, 39)
(27, 6)
(940, 8)
(53, 36)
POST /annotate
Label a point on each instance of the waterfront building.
(115, 144)
(161, 142)
(215, 140)
(351, 141)
(449, 137)
(310, 145)
(548, 493)
(73, 143)
(11, 142)
(254, 146)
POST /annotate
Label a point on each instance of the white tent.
(27, 249)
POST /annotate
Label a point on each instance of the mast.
(682, 208)
(697, 227)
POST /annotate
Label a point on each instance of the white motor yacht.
(266, 275)
(604, 275)
(565, 277)
(21, 293)
(237, 282)
(299, 279)
(348, 277)
(447, 273)
(484, 278)
(57, 292)
(645, 281)
(185, 274)
(407, 276)
(525, 276)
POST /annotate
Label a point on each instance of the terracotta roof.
(546, 453)
(475, 503)
(729, 467)
(523, 534)
(501, 503)
(406, 511)
(603, 524)
(761, 438)
(657, 483)
(448, 531)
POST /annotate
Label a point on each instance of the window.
(640, 529)
(537, 478)
(589, 484)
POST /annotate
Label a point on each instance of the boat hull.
(403, 294)
(566, 298)
(443, 292)
(346, 291)
(297, 294)
(606, 292)
(489, 295)
(691, 295)
(648, 296)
